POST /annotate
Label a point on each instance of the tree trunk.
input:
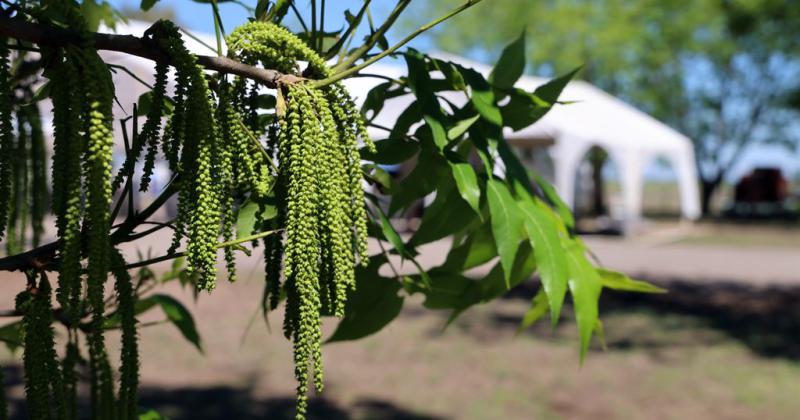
(709, 188)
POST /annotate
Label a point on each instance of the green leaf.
(523, 109)
(145, 102)
(422, 180)
(419, 81)
(516, 173)
(511, 64)
(12, 335)
(506, 222)
(42, 92)
(552, 196)
(175, 271)
(478, 248)
(371, 306)
(550, 91)
(390, 151)
(448, 214)
(407, 118)
(537, 310)
(390, 233)
(467, 183)
(446, 291)
(248, 214)
(262, 7)
(494, 284)
(375, 100)
(482, 96)
(585, 286)
(452, 74)
(147, 4)
(618, 281)
(548, 251)
(279, 10)
(461, 127)
(179, 316)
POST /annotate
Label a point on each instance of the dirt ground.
(722, 345)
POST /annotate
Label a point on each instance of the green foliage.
(284, 170)
(718, 71)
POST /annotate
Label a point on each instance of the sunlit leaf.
(618, 281)
(507, 225)
(585, 287)
(389, 232)
(538, 309)
(467, 184)
(461, 127)
(249, 214)
(552, 196)
(549, 253)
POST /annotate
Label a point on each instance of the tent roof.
(593, 116)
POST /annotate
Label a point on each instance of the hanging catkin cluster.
(82, 92)
(221, 150)
(209, 150)
(23, 163)
(319, 192)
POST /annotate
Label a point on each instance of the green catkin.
(99, 143)
(43, 379)
(3, 396)
(6, 136)
(129, 358)
(193, 131)
(68, 366)
(15, 240)
(218, 160)
(229, 179)
(39, 195)
(319, 192)
(148, 137)
(67, 183)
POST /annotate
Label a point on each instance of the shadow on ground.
(223, 402)
(238, 403)
(765, 319)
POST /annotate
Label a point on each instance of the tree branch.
(49, 35)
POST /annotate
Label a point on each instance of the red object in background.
(763, 185)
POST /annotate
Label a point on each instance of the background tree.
(717, 70)
(261, 152)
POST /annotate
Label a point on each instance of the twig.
(172, 256)
(353, 70)
(49, 35)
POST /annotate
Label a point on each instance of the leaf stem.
(352, 70)
(221, 245)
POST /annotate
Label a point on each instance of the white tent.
(632, 138)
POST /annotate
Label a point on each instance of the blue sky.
(197, 17)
